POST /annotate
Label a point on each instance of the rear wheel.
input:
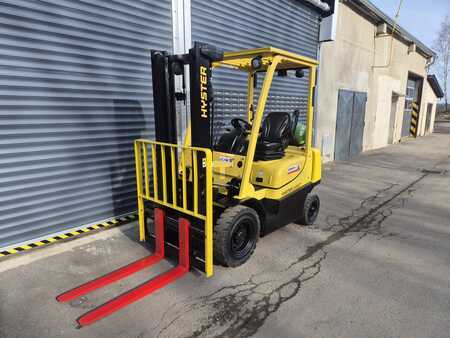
(235, 235)
(310, 210)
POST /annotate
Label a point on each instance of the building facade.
(76, 90)
(373, 86)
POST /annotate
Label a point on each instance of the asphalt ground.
(376, 264)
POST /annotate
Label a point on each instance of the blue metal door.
(349, 124)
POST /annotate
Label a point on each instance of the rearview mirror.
(299, 73)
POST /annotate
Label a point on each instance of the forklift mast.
(169, 188)
(164, 69)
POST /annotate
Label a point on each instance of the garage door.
(234, 25)
(75, 91)
(412, 104)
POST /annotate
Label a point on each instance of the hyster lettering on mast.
(211, 201)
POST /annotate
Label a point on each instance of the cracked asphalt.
(376, 264)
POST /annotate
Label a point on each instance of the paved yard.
(376, 264)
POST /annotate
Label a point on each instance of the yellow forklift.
(211, 201)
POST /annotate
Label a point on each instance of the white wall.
(359, 60)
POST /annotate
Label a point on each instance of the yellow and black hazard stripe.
(42, 242)
(414, 119)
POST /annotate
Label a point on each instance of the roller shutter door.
(75, 91)
(234, 25)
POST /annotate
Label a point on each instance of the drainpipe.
(430, 62)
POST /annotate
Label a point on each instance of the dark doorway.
(428, 120)
(349, 124)
(412, 106)
(394, 103)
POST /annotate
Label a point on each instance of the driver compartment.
(264, 174)
(276, 133)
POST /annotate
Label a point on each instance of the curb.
(43, 242)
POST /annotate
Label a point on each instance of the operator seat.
(274, 138)
(232, 142)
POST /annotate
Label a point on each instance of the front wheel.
(310, 210)
(235, 235)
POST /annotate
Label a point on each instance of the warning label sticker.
(226, 159)
(293, 168)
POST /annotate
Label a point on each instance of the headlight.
(257, 62)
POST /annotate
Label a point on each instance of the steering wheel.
(241, 124)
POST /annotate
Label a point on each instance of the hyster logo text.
(204, 92)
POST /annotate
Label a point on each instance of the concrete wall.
(428, 97)
(359, 60)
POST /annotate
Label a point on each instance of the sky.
(421, 18)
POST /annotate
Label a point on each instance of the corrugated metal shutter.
(75, 91)
(235, 25)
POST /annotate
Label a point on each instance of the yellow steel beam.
(147, 181)
(155, 172)
(183, 173)
(250, 92)
(209, 217)
(163, 169)
(246, 187)
(195, 179)
(138, 159)
(309, 114)
(174, 176)
(268, 51)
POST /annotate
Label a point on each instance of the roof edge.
(322, 5)
(434, 84)
(376, 13)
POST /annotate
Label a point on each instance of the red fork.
(125, 270)
(148, 287)
(144, 289)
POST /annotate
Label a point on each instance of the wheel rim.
(242, 239)
(313, 210)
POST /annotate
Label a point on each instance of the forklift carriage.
(211, 201)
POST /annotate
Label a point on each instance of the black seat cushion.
(274, 137)
(266, 151)
(276, 127)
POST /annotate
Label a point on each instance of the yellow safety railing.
(161, 156)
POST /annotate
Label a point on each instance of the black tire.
(235, 235)
(310, 210)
